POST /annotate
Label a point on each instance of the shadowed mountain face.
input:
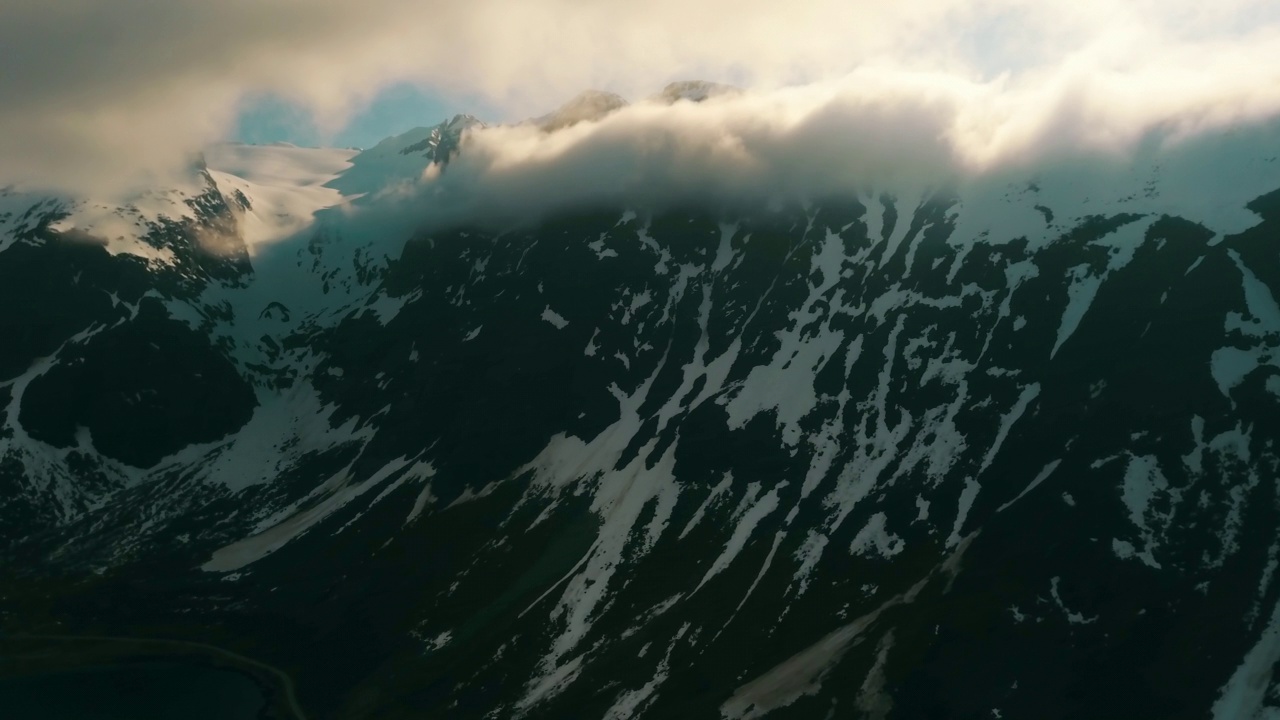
(846, 458)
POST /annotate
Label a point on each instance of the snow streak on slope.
(804, 673)
(291, 522)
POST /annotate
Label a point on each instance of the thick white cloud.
(874, 130)
(96, 91)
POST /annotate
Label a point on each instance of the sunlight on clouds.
(128, 87)
(880, 129)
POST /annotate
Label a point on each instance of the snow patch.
(554, 318)
(874, 536)
(294, 521)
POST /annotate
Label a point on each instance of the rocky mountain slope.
(1001, 449)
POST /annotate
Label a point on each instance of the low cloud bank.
(874, 130)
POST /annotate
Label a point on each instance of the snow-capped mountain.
(1004, 449)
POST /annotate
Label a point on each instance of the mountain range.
(987, 449)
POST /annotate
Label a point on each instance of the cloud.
(97, 91)
(874, 130)
(805, 142)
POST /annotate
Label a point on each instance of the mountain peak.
(587, 106)
(442, 141)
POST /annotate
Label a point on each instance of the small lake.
(155, 690)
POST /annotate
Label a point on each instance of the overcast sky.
(94, 90)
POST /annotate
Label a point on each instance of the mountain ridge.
(897, 455)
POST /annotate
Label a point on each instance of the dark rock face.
(143, 390)
(54, 291)
(441, 144)
(834, 460)
(1002, 511)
